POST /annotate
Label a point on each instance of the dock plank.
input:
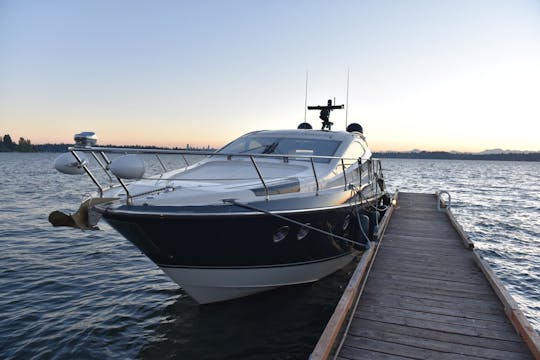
(491, 306)
(426, 298)
(441, 345)
(432, 282)
(434, 307)
(350, 353)
(510, 346)
(475, 324)
(434, 272)
(407, 351)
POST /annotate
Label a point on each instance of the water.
(69, 294)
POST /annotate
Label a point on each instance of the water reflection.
(280, 324)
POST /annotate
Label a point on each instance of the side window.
(352, 154)
(355, 151)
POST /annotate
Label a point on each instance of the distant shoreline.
(57, 148)
(433, 155)
(443, 155)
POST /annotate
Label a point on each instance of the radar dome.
(354, 127)
(305, 125)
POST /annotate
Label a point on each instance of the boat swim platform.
(423, 292)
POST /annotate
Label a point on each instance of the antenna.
(305, 99)
(347, 100)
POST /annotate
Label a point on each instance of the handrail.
(315, 176)
(260, 177)
(82, 163)
(101, 165)
(344, 174)
(161, 162)
(369, 163)
(115, 150)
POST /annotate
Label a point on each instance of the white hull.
(208, 285)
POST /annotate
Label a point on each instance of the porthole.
(346, 222)
(303, 232)
(281, 234)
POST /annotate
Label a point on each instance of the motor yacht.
(270, 209)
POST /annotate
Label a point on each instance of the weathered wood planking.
(329, 338)
(430, 296)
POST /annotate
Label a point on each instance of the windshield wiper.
(270, 148)
(255, 148)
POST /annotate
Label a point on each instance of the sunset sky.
(434, 75)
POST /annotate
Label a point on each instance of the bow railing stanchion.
(315, 176)
(161, 163)
(108, 162)
(124, 186)
(260, 176)
(358, 169)
(88, 172)
(378, 177)
(185, 160)
(106, 159)
(101, 165)
(344, 175)
(370, 170)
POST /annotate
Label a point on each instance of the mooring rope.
(356, 194)
(281, 217)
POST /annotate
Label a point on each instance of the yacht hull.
(221, 256)
(210, 285)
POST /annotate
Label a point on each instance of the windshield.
(282, 146)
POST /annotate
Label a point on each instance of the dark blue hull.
(221, 252)
(238, 238)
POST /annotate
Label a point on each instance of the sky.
(460, 75)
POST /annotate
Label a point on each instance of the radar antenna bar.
(325, 113)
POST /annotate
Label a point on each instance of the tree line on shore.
(23, 145)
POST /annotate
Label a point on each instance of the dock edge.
(331, 333)
(511, 308)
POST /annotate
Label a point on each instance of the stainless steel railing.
(372, 166)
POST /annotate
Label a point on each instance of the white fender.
(128, 167)
(68, 164)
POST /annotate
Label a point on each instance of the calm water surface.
(69, 294)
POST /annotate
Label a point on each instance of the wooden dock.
(423, 292)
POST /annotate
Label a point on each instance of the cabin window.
(353, 153)
(283, 146)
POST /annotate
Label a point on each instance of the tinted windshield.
(282, 146)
